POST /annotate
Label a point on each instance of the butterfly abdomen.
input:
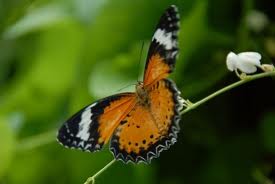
(142, 95)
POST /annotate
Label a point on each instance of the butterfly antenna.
(140, 55)
(125, 87)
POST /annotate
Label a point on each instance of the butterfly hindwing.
(164, 47)
(147, 130)
(91, 127)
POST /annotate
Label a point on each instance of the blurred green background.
(58, 55)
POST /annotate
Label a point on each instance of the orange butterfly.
(141, 124)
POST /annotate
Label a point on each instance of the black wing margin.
(165, 38)
(81, 130)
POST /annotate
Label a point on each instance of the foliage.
(57, 56)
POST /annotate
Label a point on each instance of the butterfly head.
(139, 88)
(142, 94)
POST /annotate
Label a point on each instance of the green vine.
(191, 106)
(49, 137)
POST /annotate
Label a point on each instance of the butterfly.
(138, 125)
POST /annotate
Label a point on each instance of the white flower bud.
(247, 62)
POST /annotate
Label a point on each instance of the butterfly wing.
(92, 127)
(164, 47)
(139, 131)
(146, 131)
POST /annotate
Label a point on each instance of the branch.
(48, 137)
(246, 79)
(191, 106)
(92, 178)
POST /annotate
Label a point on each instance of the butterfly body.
(140, 124)
(142, 96)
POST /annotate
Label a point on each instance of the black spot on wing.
(164, 143)
(144, 155)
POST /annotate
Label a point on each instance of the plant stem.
(92, 178)
(195, 105)
(245, 80)
(49, 136)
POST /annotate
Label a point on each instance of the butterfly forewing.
(92, 126)
(164, 47)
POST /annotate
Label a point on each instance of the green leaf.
(38, 89)
(7, 142)
(87, 10)
(37, 19)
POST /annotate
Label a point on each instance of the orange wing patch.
(92, 127)
(132, 140)
(163, 104)
(111, 117)
(156, 70)
(147, 130)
